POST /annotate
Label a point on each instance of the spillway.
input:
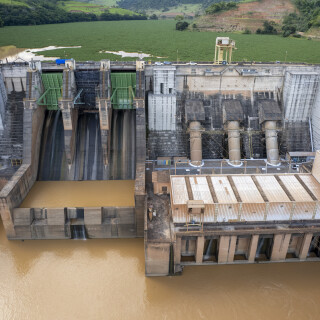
(88, 161)
(122, 166)
(88, 164)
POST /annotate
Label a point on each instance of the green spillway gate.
(52, 83)
(123, 90)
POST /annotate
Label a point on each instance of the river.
(104, 279)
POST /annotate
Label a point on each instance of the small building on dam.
(191, 157)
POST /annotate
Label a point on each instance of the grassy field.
(77, 6)
(108, 3)
(158, 38)
(13, 3)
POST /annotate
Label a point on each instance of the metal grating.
(52, 83)
(123, 90)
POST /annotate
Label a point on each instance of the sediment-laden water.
(61, 194)
(104, 279)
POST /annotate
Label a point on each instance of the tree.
(220, 6)
(182, 25)
(178, 18)
(1, 23)
(153, 17)
(268, 28)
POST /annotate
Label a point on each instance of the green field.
(108, 3)
(77, 6)
(158, 38)
(13, 3)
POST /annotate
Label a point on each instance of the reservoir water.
(104, 279)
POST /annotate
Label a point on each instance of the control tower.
(223, 50)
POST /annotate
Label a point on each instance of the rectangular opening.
(294, 246)
(164, 190)
(162, 88)
(314, 250)
(210, 250)
(188, 249)
(264, 248)
(170, 90)
(242, 248)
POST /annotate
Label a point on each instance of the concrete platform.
(57, 194)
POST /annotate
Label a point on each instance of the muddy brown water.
(104, 279)
(60, 194)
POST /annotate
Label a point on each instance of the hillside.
(249, 15)
(85, 7)
(163, 5)
(33, 12)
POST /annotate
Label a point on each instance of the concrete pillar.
(104, 81)
(140, 79)
(105, 115)
(195, 142)
(140, 146)
(69, 114)
(232, 248)
(177, 251)
(234, 142)
(272, 142)
(280, 247)
(70, 123)
(140, 181)
(7, 218)
(305, 246)
(199, 251)
(34, 87)
(227, 247)
(157, 258)
(253, 248)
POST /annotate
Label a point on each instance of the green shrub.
(268, 28)
(221, 6)
(182, 25)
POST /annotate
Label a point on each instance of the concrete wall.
(157, 259)
(3, 100)
(56, 223)
(20, 184)
(15, 76)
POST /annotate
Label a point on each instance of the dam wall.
(62, 141)
(74, 223)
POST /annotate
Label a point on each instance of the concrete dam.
(210, 164)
